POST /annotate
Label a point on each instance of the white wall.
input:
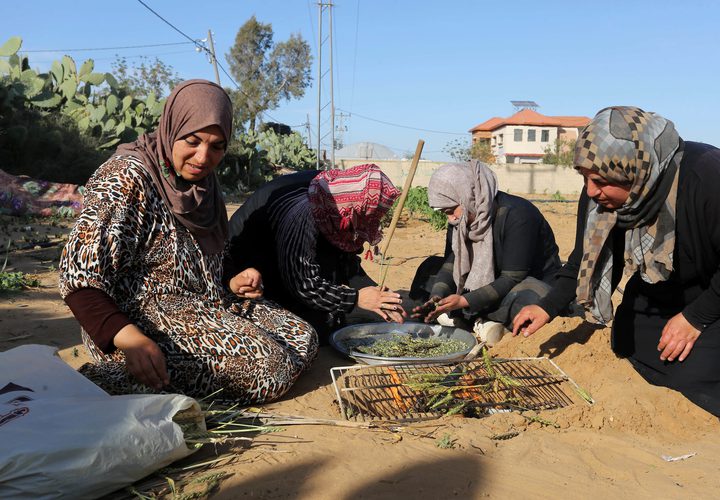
(514, 178)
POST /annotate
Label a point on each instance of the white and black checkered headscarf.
(628, 146)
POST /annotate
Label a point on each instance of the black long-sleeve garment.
(693, 287)
(523, 245)
(301, 270)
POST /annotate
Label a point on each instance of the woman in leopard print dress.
(142, 270)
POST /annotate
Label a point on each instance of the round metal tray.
(373, 332)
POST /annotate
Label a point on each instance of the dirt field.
(613, 448)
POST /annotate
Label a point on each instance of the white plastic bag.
(61, 436)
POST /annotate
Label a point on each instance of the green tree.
(560, 152)
(266, 72)
(146, 77)
(481, 150)
(460, 150)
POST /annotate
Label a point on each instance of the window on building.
(545, 136)
(531, 135)
(518, 135)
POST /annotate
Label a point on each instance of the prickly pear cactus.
(94, 100)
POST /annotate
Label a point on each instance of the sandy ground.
(612, 448)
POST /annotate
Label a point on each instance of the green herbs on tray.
(405, 346)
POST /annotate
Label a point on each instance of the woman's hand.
(445, 305)
(143, 358)
(529, 320)
(420, 312)
(677, 339)
(384, 302)
(247, 284)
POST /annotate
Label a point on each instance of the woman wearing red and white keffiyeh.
(304, 232)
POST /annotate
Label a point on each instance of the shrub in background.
(416, 205)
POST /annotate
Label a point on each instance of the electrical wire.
(312, 26)
(109, 48)
(402, 126)
(197, 44)
(336, 57)
(202, 47)
(357, 31)
(96, 59)
(407, 150)
(237, 86)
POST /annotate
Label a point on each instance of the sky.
(407, 70)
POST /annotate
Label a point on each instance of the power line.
(109, 48)
(409, 150)
(336, 56)
(134, 56)
(203, 47)
(402, 126)
(237, 86)
(197, 44)
(357, 26)
(312, 26)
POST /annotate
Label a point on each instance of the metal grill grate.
(414, 392)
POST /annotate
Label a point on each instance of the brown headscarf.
(199, 206)
(626, 145)
(473, 186)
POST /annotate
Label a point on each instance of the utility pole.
(322, 7)
(332, 94)
(213, 60)
(341, 128)
(308, 130)
(319, 80)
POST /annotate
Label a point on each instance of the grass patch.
(446, 442)
(556, 196)
(14, 282)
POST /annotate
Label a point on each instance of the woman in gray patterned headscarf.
(650, 212)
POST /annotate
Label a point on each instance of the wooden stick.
(401, 204)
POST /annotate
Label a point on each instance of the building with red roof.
(524, 136)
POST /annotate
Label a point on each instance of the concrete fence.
(512, 177)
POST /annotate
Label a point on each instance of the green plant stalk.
(446, 442)
(441, 388)
(584, 394)
(7, 254)
(542, 421)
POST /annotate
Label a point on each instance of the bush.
(255, 158)
(48, 147)
(416, 203)
(561, 152)
(14, 282)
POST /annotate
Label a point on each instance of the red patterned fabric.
(348, 205)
